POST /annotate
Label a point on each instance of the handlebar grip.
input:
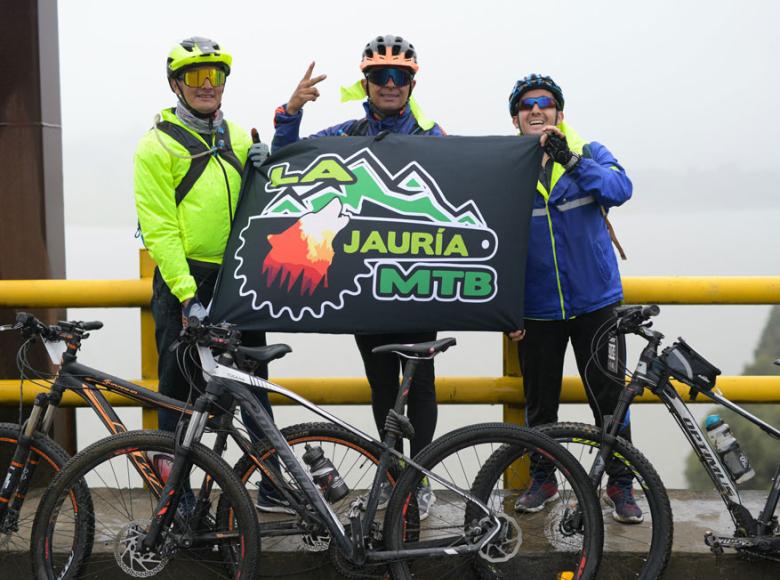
(92, 325)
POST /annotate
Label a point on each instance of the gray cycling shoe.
(425, 499)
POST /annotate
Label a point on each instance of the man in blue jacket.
(389, 65)
(572, 279)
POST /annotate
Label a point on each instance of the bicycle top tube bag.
(688, 366)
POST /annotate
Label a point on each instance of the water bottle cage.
(399, 425)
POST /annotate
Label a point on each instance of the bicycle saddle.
(264, 354)
(420, 349)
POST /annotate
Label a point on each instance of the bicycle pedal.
(718, 543)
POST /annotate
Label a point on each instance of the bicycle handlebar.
(63, 330)
(224, 336)
(631, 318)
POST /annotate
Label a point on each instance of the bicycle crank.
(755, 545)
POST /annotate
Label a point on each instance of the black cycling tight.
(382, 371)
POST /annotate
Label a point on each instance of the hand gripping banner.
(374, 235)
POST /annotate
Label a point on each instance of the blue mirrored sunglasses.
(379, 76)
(543, 102)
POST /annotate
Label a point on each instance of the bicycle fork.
(169, 498)
(611, 428)
(645, 375)
(22, 467)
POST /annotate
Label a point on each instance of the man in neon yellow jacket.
(187, 179)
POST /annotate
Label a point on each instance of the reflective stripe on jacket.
(196, 225)
(288, 126)
(571, 268)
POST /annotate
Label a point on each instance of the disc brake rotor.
(506, 543)
(129, 555)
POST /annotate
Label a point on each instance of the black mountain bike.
(30, 459)
(472, 530)
(643, 550)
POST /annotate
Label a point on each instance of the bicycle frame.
(720, 476)
(651, 373)
(228, 379)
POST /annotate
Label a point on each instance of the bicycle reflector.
(688, 366)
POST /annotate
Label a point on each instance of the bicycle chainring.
(349, 570)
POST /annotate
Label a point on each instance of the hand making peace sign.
(305, 91)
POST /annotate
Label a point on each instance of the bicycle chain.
(754, 555)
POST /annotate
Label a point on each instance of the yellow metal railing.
(449, 390)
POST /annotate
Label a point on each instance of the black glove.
(558, 149)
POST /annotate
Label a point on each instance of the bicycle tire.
(490, 446)
(120, 516)
(49, 459)
(354, 458)
(621, 541)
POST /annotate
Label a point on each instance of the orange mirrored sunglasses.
(195, 77)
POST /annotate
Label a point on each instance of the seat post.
(410, 367)
(406, 383)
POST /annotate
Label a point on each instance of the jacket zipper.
(546, 196)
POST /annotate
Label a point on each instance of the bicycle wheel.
(630, 551)
(194, 546)
(289, 547)
(491, 459)
(47, 459)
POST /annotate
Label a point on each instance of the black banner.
(366, 235)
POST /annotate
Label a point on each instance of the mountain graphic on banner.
(411, 193)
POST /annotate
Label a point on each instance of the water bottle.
(324, 474)
(728, 448)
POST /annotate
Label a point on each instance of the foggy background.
(682, 93)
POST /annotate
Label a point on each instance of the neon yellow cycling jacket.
(186, 206)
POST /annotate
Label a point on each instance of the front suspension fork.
(611, 428)
(23, 463)
(178, 480)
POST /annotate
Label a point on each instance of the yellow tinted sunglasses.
(195, 77)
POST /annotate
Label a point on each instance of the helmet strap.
(191, 109)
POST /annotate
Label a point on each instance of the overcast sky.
(683, 93)
(673, 86)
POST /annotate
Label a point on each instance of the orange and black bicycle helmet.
(389, 50)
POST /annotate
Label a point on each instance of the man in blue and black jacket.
(389, 65)
(572, 280)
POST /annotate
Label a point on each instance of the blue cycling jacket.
(572, 268)
(288, 126)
